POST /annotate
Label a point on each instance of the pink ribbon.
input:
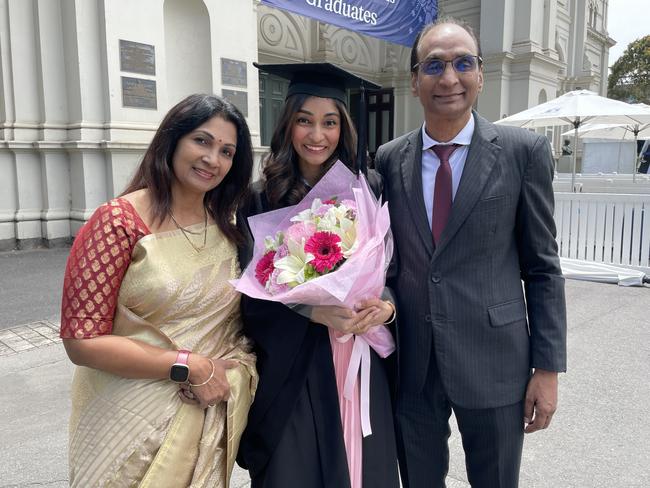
(359, 361)
(381, 340)
(349, 359)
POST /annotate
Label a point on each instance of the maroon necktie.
(442, 190)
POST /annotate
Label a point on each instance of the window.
(273, 91)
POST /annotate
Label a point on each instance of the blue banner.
(396, 21)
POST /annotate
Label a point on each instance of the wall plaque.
(136, 57)
(137, 92)
(233, 72)
(238, 98)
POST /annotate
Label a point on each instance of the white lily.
(337, 222)
(348, 235)
(273, 243)
(340, 212)
(327, 222)
(293, 265)
(308, 214)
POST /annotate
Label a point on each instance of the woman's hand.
(369, 313)
(338, 318)
(217, 388)
(382, 312)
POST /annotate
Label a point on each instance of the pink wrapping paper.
(362, 276)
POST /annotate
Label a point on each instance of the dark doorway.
(381, 114)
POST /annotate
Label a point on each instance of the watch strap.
(183, 356)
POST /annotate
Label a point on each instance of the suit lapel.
(482, 156)
(411, 169)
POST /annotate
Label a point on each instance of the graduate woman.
(295, 428)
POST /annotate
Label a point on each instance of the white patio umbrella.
(620, 132)
(612, 131)
(577, 108)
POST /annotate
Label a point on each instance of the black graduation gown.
(294, 436)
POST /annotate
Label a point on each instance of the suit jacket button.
(435, 278)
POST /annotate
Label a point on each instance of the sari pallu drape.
(126, 432)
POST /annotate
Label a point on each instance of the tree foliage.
(630, 76)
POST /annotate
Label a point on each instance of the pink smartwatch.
(180, 371)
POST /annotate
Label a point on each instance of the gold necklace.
(186, 232)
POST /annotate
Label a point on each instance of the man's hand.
(541, 400)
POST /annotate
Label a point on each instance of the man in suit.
(472, 223)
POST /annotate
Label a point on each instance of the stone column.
(408, 111)
(497, 30)
(25, 76)
(85, 62)
(55, 216)
(550, 26)
(497, 26)
(8, 197)
(88, 181)
(494, 102)
(122, 159)
(30, 197)
(528, 26)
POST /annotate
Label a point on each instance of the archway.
(188, 52)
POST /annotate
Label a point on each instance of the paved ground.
(599, 438)
(30, 285)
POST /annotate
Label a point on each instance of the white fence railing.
(603, 183)
(606, 228)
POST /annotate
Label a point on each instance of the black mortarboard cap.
(318, 79)
(327, 81)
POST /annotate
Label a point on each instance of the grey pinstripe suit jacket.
(466, 294)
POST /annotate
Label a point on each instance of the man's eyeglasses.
(436, 67)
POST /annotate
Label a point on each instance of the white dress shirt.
(431, 163)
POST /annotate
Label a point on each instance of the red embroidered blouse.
(98, 260)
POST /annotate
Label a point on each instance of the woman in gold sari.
(165, 378)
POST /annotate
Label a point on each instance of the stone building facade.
(84, 83)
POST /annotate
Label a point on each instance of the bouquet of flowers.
(333, 248)
(318, 242)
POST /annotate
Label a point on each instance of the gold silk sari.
(138, 433)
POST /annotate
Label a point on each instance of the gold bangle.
(392, 318)
(209, 377)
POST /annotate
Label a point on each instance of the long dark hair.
(283, 183)
(156, 173)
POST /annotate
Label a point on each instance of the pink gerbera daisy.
(265, 267)
(326, 250)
